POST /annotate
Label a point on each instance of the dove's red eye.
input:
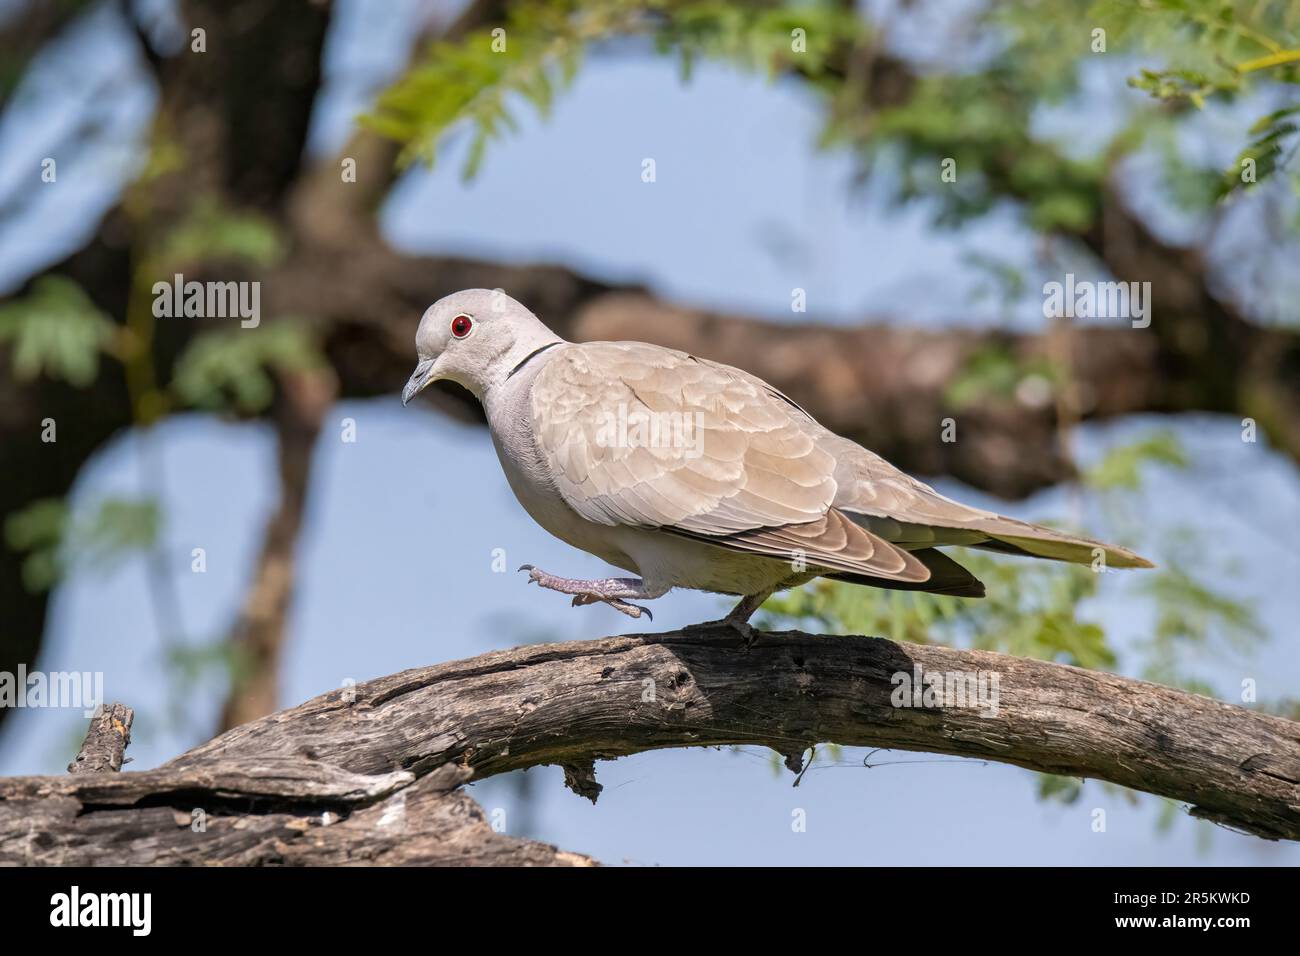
(461, 325)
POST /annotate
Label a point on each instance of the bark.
(105, 745)
(368, 773)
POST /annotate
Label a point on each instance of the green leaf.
(1262, 155)
(57, 331)
(469, 83)
(230, 368)
(1121, 467)
(1065, 790)
(38, 529)
(55, 541)
(994, 372)
(211, 231)
(118, 526)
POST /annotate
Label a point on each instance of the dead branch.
(106, 741)
(369, 773)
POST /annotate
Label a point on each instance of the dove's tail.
(1010, 536)
(935, 521)
(987, 531)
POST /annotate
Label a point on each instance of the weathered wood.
(106, 741)
(368, 773)
(270, 812)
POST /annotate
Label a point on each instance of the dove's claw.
(631, 610)
(611, 591)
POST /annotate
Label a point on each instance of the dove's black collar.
(531, 355)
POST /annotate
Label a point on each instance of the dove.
(693, 474)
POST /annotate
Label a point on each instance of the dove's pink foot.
(611, 591)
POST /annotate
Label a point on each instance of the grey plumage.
(739, 491)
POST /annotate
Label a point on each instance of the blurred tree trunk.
(260, 633)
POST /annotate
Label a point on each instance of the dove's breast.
(510, 422)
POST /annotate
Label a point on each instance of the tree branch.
(106, 741)
(369, 773)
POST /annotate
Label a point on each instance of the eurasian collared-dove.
(698, 475)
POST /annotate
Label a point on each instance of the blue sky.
(744, 209)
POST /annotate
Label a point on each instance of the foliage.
(55, 540)
(1224, 50)
(1191, 615)
(470, 81)
(1265, 151)
(213, 232)
(55, 330)
(116, 526)
(38, 530)
(1003, 281)
(1121, 466)
(980, 111)
(474, 80)
(1053, 786)
(758, 37)
(230, 368)
(982, 121)
(994, 371)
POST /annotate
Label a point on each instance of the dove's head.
(476, 338)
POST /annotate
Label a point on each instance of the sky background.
(744, 210)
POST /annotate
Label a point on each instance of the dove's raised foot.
(611, 591)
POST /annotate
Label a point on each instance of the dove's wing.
(639, 435)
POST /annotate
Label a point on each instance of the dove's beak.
(420, 379)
